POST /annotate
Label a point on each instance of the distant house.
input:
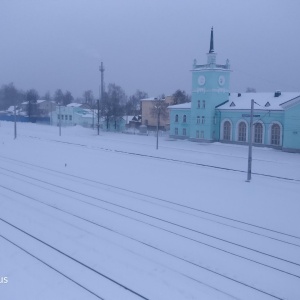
(148, 119)
(133, 121)
(77, 114)
(79, 105)
(73, 114)
(43, 107)
(11, 110)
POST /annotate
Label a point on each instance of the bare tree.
(32, 96)
(112, 104)
(89, 98)
(68, 98)
(58, 96)
(133, 105)
(9, 95)
(159, 111)
(181, 97)
(47, 96)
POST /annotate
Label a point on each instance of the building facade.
(215, 114)
(77, 114)
(148, 118)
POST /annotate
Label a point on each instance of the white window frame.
(263, 133)
(270, 133)
(237, 130)
(222, 129)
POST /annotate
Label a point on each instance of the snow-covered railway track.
(168, 253)
(133, 239)
(168, 159)
(144, 218)
(70, 257)
(169, 204)
(51, 267)
(246, 285)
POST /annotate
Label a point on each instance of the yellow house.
(148, 119)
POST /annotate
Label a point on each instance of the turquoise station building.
(217, 115)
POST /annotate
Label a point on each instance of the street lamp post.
(59, 119)
(157, 128)
(250, 144)
(101, 90)
(15, 120)
(93, 119)
(98, 115)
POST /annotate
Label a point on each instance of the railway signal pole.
(59, 119)
(15, 121)
(101, 94)
(250, 144)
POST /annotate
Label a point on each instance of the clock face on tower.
(221, 80)
(201, 80)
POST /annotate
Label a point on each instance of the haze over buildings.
(148, 45)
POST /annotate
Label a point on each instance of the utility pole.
(101, 93)
(15, 125)
(158, 107)
(250, 143)
(51, 123)
(157, 129)
(59, 119)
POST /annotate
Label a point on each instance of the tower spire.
(211, 48)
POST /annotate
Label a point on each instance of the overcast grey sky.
(147, 44)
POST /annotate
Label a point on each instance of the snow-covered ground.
(110, 217)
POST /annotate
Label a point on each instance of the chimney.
(277, 93)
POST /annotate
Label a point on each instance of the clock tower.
(210, 87)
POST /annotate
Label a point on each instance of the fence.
(11, 118)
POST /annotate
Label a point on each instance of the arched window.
(258, 133)
(184, 118)
(226, 131)
(197, 134)
(198, 119)
(203, 104)
(184, 131)
(203, 120)
(242, 132)
(176, 131)
(198, 105)
(176, 118)
(275, 134)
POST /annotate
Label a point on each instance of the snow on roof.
(74, 105)
(263, 101)
(155, 98)
(128, 119)
(11, 109)
(181, 106)
(149, 99)
(37, 101)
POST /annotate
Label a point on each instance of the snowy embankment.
(110, 217)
